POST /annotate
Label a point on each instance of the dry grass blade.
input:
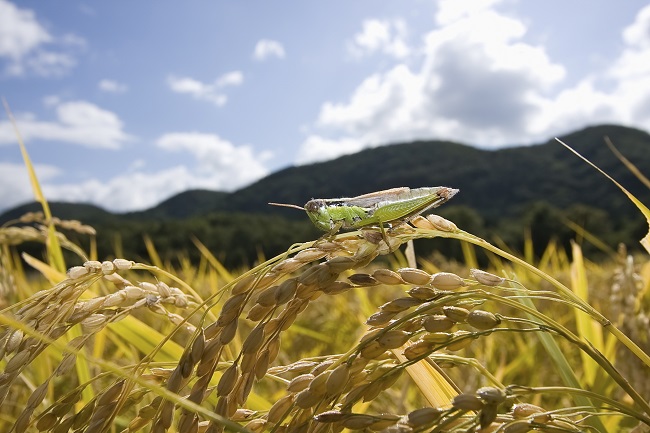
(437, 388)
(55, 254)
(53, 275)
(644, 210)
(633, 169)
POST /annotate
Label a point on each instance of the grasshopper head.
(317, 212)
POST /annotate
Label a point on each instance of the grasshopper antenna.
(293, 206)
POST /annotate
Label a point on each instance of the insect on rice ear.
(392, 206)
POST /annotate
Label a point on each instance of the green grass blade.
(81, 365)
(564, 368)
(146, 339)
(589, 237)
(153, 253)
(216, 264)
(587, 328)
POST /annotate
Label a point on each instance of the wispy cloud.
(267, 48)
(77, 122)
(112, 86)
(28, 47)
(384, 36)
(234, 78)
(87, 10)
(211, 92)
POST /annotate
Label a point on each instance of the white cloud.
(186, 85)
(235, 78)
(78, 122)
(638, 33)
(386, 36)
(316, 148)
(626, 100)
(15, 188)
(450, 11)
(480, 82)
(44, 63)
(477, 83)
(218, 165)
(267, 48)
(112, 86)
(20, 32)
(22, 42)
(127, 192)
(51, 100)
(122, 193)
(633, 62)
(381, 99)
(72, 40)
(207, 92)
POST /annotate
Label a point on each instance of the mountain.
(67, 211)
(501, 192)
(185, 204)
(496, 183)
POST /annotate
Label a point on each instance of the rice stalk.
(217, 350)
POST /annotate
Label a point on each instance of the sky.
(124, 104)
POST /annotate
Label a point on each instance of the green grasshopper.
(396, 205)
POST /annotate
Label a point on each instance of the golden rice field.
(352, 332)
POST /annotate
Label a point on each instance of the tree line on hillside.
(241, 240)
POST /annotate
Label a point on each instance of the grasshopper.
(396, 205)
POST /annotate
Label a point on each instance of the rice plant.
(343, 332)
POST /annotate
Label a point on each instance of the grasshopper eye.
(313, 205)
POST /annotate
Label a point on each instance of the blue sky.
(124, 104)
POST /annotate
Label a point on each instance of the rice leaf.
(54, 253)
(587, 328)
(564, 368)
(644, 210)
(153, 253)
(434, 386)
(81, 365)
(216, 264)
(627, 163)
(52, 275)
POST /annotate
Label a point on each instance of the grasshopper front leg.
(335, 226)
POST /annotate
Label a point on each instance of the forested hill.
(501, 191)
(494, 183)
